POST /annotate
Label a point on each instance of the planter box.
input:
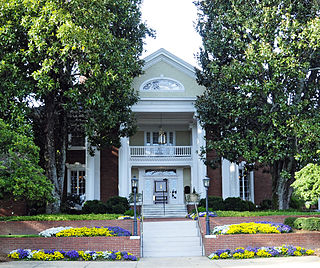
(122, 243)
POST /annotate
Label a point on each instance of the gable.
(166, 76)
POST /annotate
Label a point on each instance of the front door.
(160, 191)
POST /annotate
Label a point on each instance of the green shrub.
(296, 202)
(129, 212)
(290, 221)
(310, 224)
(117, 205)
(94, 206)
(266, 204)
(214, 203)
(236, 203)
(200, 209)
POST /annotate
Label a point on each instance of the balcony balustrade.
(161, 152)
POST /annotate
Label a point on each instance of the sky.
(173, 21)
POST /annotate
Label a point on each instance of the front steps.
(171, 239)
(169, 211)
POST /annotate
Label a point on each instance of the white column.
(225, 178)
(230, 179)
(124, 179)
(194, 172)
(92, 174)
(201, 167)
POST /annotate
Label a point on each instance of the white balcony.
(160, 153)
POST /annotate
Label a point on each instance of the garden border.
(120, 243)
(214, 242)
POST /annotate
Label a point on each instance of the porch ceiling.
(157, 118)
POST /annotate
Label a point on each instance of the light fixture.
(162, 135)
(134, 183)
(206, 182)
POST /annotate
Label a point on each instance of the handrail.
(199, 226)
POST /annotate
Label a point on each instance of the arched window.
(161, 84)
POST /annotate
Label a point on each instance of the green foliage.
(214, 203)
(237, 204)
(62, 217)
(129, 212)
(290, 221)
(77, 59)
(94, 207)
(20, 175)
(263, 213)
(266, 204)
(260, 64)
(307, 184)
(117, 205)
(310, 224)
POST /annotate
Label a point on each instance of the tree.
(307, 184)
(20, 176)
(73, 57)
(260, 65)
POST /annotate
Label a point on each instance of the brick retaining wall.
(124, 243)
(310, 240)
(34, 227)
(212, 243)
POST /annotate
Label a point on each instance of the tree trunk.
(282, 177)
(50, 153)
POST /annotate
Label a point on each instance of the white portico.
(167, 167)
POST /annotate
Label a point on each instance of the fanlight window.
(162, 84)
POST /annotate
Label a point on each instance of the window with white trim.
(77, 181)
(152, 138)
(245, 180)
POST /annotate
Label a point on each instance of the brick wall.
(262, 185)
(305, 239)
(108, 173)
(310, 240)
(124, 243)
(34, 227)
(12, 208)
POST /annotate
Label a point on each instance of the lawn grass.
(28, 235)
(221, 213)
(61, 217)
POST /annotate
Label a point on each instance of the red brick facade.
(108, 173)
(12, 208)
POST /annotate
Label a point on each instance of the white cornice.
(165, 105)
(166, 56)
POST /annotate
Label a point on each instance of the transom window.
(152, 138)
(161, 84)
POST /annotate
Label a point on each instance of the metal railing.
(199, 228)
(160, 151)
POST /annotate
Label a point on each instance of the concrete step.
(169, 211)
(171, 238)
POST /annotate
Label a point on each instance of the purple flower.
(72, 254)
(118, 231)
(22, 253)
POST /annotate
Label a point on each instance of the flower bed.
(85, 231)
(263, 227)
(249, 252)
(193, 216)
(55, 255)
